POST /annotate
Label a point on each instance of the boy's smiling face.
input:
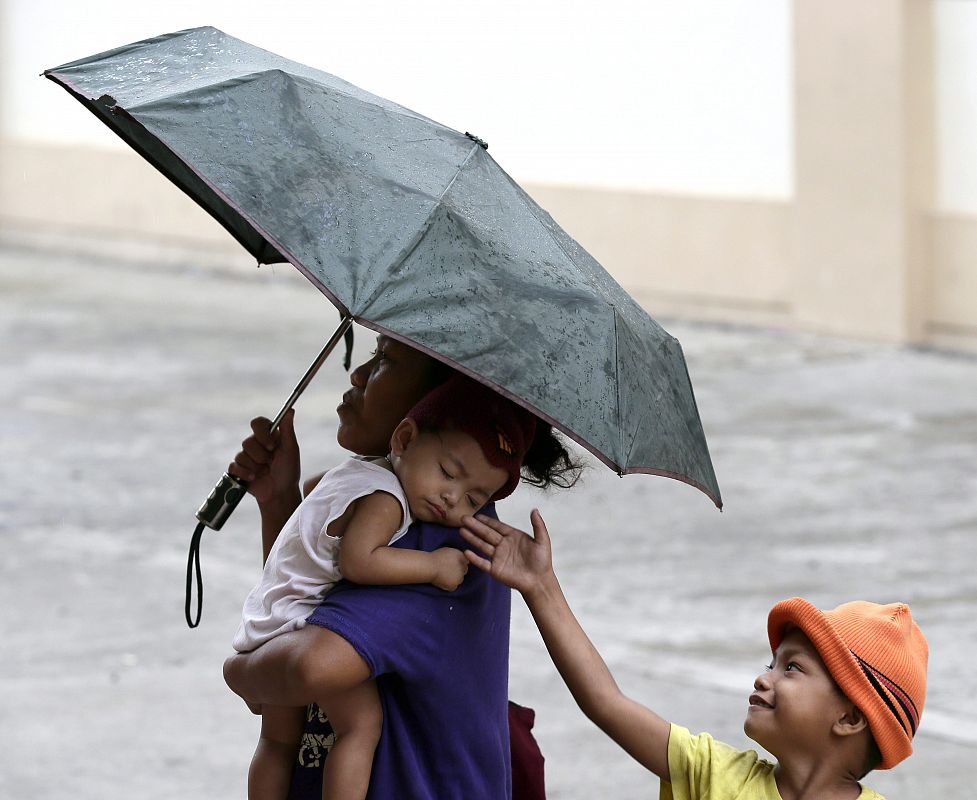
(796, 702)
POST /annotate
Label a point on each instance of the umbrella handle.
(221, 501)
(229, 491)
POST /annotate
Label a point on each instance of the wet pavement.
(128, 380)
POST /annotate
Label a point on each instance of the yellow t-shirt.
(701, 767)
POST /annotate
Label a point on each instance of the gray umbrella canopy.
(409, 227)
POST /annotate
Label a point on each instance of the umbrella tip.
(480, 142)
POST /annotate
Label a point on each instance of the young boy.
(842, 695)
(459, 447)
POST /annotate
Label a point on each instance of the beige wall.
(858, 251)
(700, 258)
(114, 193)
(951, 320)
(685, 256)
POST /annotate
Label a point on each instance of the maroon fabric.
(527, 760)
(502, 429)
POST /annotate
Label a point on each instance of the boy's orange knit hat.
(876, 654)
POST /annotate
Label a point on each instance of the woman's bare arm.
(296, 668)
(311, 483)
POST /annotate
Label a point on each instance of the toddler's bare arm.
(364, 555)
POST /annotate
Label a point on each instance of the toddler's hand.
(451, 567)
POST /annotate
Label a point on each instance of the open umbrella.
(409, 228)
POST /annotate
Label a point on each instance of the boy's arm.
(364, 555)
(525, 563)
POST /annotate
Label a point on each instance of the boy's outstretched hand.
(525, 563)
(509, 555)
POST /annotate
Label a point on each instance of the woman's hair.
(440, 372)
(548, 462)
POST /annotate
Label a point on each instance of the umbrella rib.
(292, 68)
(286, 66)
(624, 468)
(418, 235)
(625, 451)
(625, 455)
(252, 76)
(532, 207)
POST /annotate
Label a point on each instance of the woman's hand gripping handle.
(269, 463)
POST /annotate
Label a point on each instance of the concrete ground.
(127, 381)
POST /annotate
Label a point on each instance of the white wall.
(690, 97)
(956, 105)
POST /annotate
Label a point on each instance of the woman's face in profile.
(382, 391)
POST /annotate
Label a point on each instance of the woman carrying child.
(440, 659)
(460, 447)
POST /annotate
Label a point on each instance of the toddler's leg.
(274, 757)
(356, 719)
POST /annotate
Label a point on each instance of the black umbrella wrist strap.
(193, 565)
